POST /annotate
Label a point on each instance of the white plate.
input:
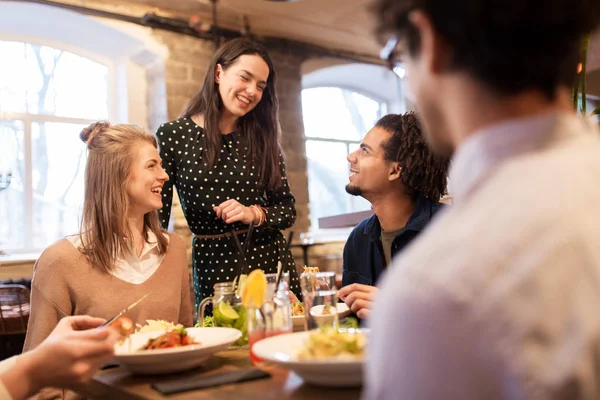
(163, 361)
(282, 350)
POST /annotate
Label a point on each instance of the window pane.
(45, 80)
(335, 113)
(14, 77)
(340, 114)
(12, 196)
(58, 169)
(327, 178)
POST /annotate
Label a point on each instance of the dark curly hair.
(423, 172)
(509, 45)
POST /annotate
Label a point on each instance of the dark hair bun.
(88, 134)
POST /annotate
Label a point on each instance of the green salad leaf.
(349, 323)
(209, 322)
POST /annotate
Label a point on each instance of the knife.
(123, 311)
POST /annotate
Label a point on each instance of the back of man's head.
(423, 173)
(508, 45)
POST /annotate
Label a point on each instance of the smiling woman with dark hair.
(224, 158)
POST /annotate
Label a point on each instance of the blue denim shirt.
(364, 259)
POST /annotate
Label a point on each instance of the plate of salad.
(329, 357)
(172, 350)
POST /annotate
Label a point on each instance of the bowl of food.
(298, 320)
(324, 313)
(321, 313)
(329, 357)
(173, 350)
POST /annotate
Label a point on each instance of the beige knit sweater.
(64, 283)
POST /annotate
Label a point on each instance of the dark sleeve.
(347, 260)
(167, 153)
(279, 205)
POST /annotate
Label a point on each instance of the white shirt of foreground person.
(500, 297)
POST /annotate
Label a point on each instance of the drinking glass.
(228, 310)
(319, 295)
(274, 317)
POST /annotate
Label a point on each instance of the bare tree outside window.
(47, 96)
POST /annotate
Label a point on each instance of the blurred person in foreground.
(68, 357)
(396, 171)
(499, 297)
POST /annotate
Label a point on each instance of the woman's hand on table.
(232, 211)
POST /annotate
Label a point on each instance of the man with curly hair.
(499, 298)
(394, 170)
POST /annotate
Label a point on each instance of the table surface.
(117, 383)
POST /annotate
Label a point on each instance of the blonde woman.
(121, 252)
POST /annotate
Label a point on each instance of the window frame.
(335, 234)
(28, 119)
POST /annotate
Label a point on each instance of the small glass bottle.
(274, 316)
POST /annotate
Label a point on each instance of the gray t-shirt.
(387, 238)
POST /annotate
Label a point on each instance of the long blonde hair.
(104, 228)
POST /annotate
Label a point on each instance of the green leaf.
(349, 323)
(208, 322)
(596, 111)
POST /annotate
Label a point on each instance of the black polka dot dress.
(201, 188)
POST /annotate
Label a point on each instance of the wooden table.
(116, 384)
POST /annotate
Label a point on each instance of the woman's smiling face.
(241, 85)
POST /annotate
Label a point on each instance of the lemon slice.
(241, 284)
(255, 289)
(227, 311)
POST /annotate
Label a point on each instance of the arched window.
(335, 120)
(52, 84)
(47, 96)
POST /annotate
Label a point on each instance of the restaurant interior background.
(65, 65)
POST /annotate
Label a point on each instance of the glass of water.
(319, 294)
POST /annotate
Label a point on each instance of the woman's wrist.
(259, 216)
(255, 216)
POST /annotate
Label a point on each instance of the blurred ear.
(218, 73)
(434, 51)
(395, 172)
